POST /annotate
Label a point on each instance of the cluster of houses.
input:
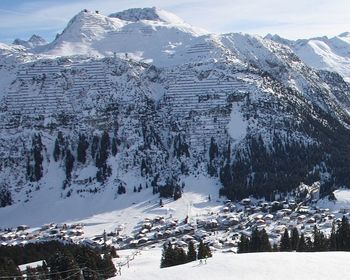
(221, 229)
(23, 234)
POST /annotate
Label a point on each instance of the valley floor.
(262, 266)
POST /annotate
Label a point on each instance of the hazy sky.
(291, 19)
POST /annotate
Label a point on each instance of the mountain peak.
(34, 41)
(152, 14)
(344, 34)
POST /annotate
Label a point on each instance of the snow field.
(262, 266)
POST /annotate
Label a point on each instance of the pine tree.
(243, 245)
(177, 192)
(8, 268)
(5, 196)
(265, 245)
(343, 235)
(83, 145)
(69, 164)
(302, 244)
(254, 245)
(191, 252)
(203, 251)
(107, 268)
(172, 256)
(63, 265)
(166, 255)
(121, 189)
(319, 240)
(333, 239)
(213, 150)
(101, 158)
(37, 147)
(294, 238)
(285, 242)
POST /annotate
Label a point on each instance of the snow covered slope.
(149, 34)
(262, 266)
(108, 210)
(324, 53)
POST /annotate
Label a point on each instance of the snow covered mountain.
(332, 54)
(33, 42)
(150, 35)
(141, 99)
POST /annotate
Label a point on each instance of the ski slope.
(262, 266)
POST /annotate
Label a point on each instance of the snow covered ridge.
(33, 42)
(324, 53)
(154, 14)
(161, 101)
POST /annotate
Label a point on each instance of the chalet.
(22, 227)
(33, 265)
(246, 201)
(311, 220)
(147, 225)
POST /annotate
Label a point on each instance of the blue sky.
(290, 19)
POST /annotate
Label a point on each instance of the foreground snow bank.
(269, 266)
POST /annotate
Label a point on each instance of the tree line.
(60, 261)
(176, 255)
(338, 240)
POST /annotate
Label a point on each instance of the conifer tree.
(265, 245)
(83, 145)
(333, 239)
(172, 256)
(343, 235)
(63, 265)
(319, 240)
(285, 242)
(294, 238)
(177, 192)
(203, 251)
(243, 245)
(107, 268)
(121, 189)
(69, 164)
(5, 196)
(38, 158)
(254, 245)
(101, 158)
(191, 252)
(8, 268)
(302, 244)
(213, 149)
